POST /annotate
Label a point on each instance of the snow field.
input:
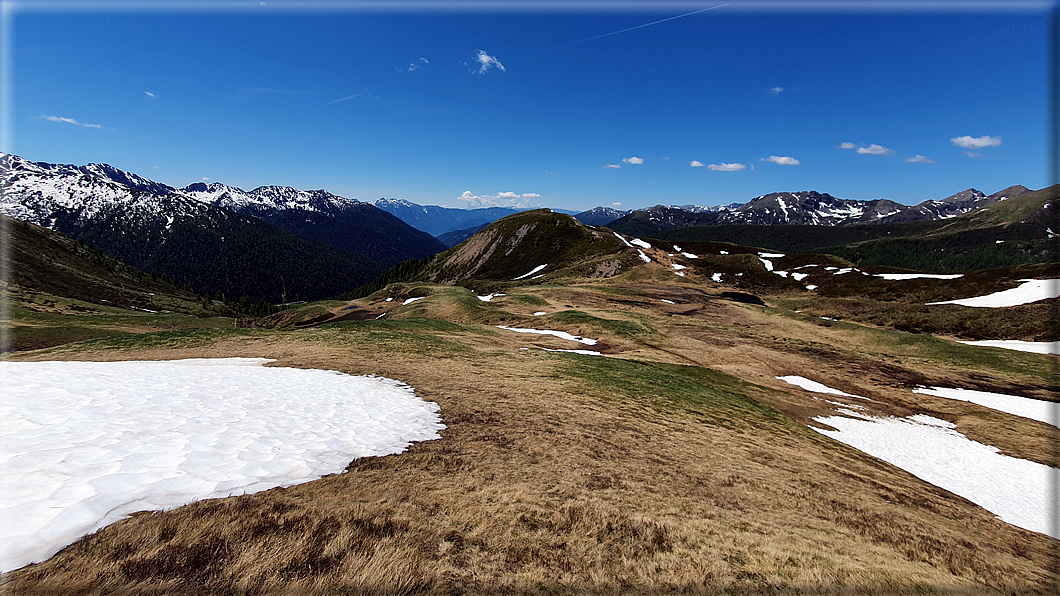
(902, 276)
(1035, 409)
(1035, 347)
(1031, 290)
(86, 443)
(1016, 490)
(815, 387)
(640, 243)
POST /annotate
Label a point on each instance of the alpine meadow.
(536, 297)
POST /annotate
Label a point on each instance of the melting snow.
(539, 313)
(799, 276)
(559, 334)
(814, 386)
(894, 276)
(771, 255)
(689, 255)
(666, 301)
(1016, 490)
(1036, 347)
(1031, 290)
(723, 252)
(531, 272)
(768, 264)
(86, 443)
(640, 243)
(678, 267)
(643, 257)
(489, 297)
(411, 300)
(624, 241)
(716, 277)
(1035, 409)
(811, 287)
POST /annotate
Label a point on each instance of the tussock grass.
(677, 465)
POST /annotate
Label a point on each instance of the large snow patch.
(86, 443)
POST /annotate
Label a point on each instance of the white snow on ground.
(539, 313)
(640, 243)
(771, 255)
(584, 352)
(768, 264)
(678, 266)
(1035, 409)
(679, 273)
(689, 255)
(489, 297)
(716, 277)
(389, 300)
(531, 272)
(643, 257)
(1036, 347)
(624, 241)
(83, 444)
(723, 252)
(799, 276)
(559, 334)
(677, 248)
(894, 276)
(781, 273)
(811, 287)
(814, 386)
(1016, 490)
(1031, 290)
(666, 301)
(411, 300)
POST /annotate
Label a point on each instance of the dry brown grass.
(547, 482)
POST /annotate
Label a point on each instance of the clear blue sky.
(539, 106)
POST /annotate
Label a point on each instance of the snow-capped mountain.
(601, 216)
(214, 237)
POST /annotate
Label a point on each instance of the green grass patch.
(527, 299)
(710, 396)
(617, 327)
(419, 336)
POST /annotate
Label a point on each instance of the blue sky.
(612, 104)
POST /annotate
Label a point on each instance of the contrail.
(687, 14)
(342, 99)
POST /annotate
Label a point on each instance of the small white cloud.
(731, 167)
(776, 90)
(205, 178)
(487, 62)
(71, 121)
(967, 142)
(633, 160)
(425, 61)
(919, 159)
(781, 160)
(616, 204)
(613, 165)
(695, 163)
(973, 154)
(154, 167)
(501, 199)
(847, 145)
(149, 94)
(874, 149)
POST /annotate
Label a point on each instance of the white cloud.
(874, 149)
(616, 204)
(501, 199)
(695, 163)
(784, 161)
(149, 94)
(487, 62)
(967, 142)
(733, 167)
(205, 178)
(71, 121)
(633, 160)
(973, 154)
(919, 159)
(613, 165)
(776, 90)
(847, 145)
